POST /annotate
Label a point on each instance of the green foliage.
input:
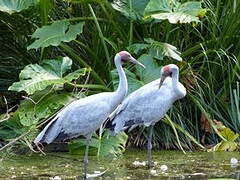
(133, 82)
(174, 11)
(36, 77)
(11, 6)
(86, 1)
(132, 9)
(54, 34)
(142, 77)
(41, 105)
(104, 146)
(229, 144)
(33, 110)
(156, 49)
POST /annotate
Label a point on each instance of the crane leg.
(85, 161)
(149, 147)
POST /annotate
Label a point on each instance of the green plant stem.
(87, 48)
(101, 36)
(198, 104)
(69, 51)
(90, 86)
(175, 132)
(131, 25)
(112, 21)
(81, 19)
(166, 121)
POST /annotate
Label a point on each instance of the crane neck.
(175, 83)
(122, 86)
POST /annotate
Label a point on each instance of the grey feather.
(147, 105)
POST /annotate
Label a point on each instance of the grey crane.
(84, 116)
(147, 105)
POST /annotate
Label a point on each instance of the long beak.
(162, 80)
(134, 61)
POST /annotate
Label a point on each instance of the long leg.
(85, 161)
(149, 146)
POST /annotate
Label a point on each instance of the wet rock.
(234, 161)
(138, 163)
(164, 167)
(55, 178)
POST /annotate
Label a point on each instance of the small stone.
(12, 168)
(13, 176)
(233, 160)
(153, 172)
(197, 174)
(128, 177)
(163, 167)
(155, 163)
(138, 163)
(55, 178)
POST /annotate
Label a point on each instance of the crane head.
(127, 57)
(167, 71)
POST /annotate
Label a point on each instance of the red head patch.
(125, 56)
(165, 68)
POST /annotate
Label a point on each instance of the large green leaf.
(174, 11)
(11, 6)
(86, 1)
(106, 145)
(229, 135)
(41, 105)
(36, 77)
(152, 70)
(142, 76)
(156, 49)
(133, 82)
(54, 34)
(132, 11)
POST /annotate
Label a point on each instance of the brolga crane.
(84, 116)
(147, 105)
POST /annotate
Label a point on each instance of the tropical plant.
(101, 146)
(91, 31)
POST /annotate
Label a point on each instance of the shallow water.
(193, 165)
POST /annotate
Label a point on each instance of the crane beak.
(134, 61)
(163, 77)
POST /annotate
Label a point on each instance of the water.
(193, 165)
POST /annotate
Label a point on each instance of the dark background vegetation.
(210, 69)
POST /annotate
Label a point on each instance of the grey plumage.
(84, 116)
(147, 105)
(81, 117)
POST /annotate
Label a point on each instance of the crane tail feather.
(41, 136)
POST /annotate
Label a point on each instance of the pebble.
(138, 163)
(153, 172)
(55, 178)
(233, 160)
(163, 167)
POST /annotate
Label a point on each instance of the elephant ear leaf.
(133, 82)
(133, 9)
(12, 6)
(152, 70)
(174, 11)
(36, 77)
(104, 146)
(54, 34)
